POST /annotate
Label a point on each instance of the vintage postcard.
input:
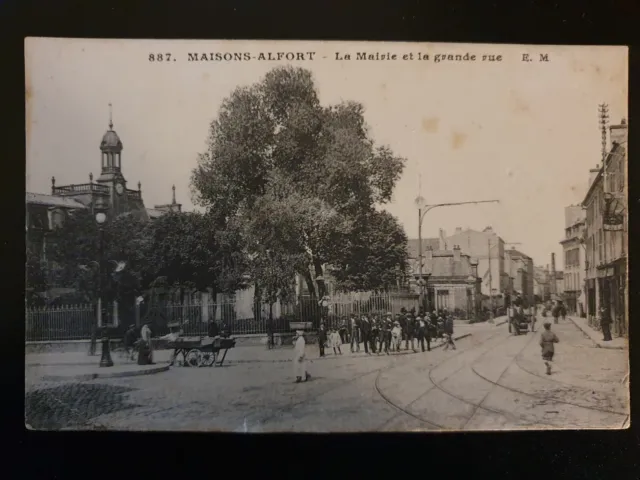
(270, 236)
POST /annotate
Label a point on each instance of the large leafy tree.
(375, 255)
(188, 251)
(285, 166)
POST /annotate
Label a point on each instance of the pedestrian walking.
(145, 357)
(605, 324)
(448, 333)
(322, 339)
(563, 311)
(299, 358)
(556, 313)
(335, 341)
(355, 334)
(375, 333)
(547, 341)
(129, 342)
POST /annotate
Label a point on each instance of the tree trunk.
(310, 285)
(322, 289)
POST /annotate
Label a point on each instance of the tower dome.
(111, 148)
(111, 140)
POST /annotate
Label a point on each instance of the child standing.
(547, 339)
(336, 341)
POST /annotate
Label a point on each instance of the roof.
(413, 246)
(517, 253)
(52, 201)
(111, 140)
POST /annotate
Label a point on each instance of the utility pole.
(490, 283)
(423, 208)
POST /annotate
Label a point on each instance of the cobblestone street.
(491, 381)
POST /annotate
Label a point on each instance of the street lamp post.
(423, 208)
(101, 217)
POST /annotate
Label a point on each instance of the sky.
(523, 133)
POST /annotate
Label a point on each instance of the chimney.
(428, 257)
(474, 268)
(593, 173)
(618, 133)
(458, 230)
(488, 229)
(456, 253)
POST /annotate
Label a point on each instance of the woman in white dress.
(299, 358)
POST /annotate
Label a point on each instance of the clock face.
(119, 188)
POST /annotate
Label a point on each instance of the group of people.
(385, 333)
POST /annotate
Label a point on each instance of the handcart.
(196, 353)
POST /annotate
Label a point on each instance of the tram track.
(535, 396)
(477, 405)
(400, 358)
(547, 379)
(434, 385)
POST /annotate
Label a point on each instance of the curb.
(501, 323)
(93, 376)
(598, 344)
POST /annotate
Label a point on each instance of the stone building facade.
(606, 228)
(574, 260)
(451, 276)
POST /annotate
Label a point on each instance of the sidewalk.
(617, 343)
(80, 366)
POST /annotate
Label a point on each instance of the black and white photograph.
(325, 237)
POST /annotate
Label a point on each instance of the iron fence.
(67, 322)
(240, 315)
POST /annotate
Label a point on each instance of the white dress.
(299, 362)
(335, 340)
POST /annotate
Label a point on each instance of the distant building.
(606, 228)
(574, 259)
(521, 273)
(541, 283)
(451, 276)
(488, 250)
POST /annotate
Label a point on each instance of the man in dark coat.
(322, 339)
(605, 324)
(448, 332)
(365, 330)
(423, 333)
(411, 333)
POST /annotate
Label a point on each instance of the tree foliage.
(188, 251)
(301, 175)
(74, 250)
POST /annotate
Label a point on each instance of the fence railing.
(75, 322)
(68, 322)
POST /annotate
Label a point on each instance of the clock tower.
(111, 171)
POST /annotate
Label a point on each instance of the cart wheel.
(193, 358)
(208, 359)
